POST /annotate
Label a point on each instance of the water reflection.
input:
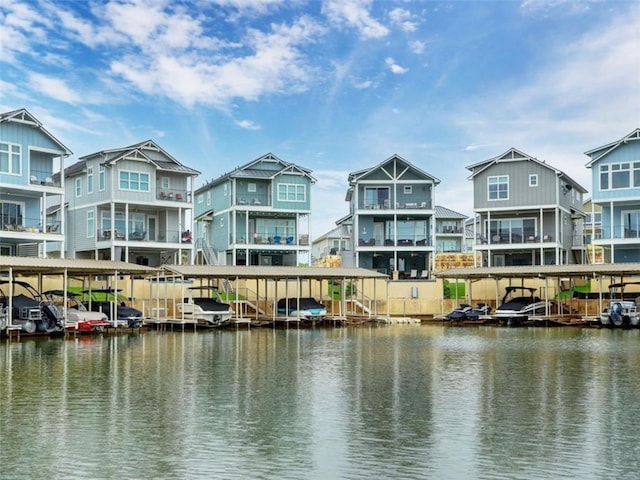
(391, 402)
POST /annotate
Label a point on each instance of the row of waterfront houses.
(139, 204)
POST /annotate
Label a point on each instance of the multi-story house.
(29, 156)
(392, 213)
(258, 214)
(337, 241)
(450, 230)
(528, 212)
(615, 178)
(132, 204)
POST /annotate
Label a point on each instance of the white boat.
(206, 307)
(516, 309)
(621, 310)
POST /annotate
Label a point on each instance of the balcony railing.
(120, 235)
(618, 232)
(270, 238)
(173, 195)
(253, 200)
(510, 239)
(44, 178)
(446, 230)
(417, 241)
(30, 225)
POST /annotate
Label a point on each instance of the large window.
(376, 197)
(619, 175)
(498, 187)
(102, 178)
(9, 158)
(91, 224)
(512, 230)
(134, 181)
(289, 192)
(11, 214)
(89, 179)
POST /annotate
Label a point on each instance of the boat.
(28, 308)
(204, 305)
(112, 303)
(78, 317)
(518, 304)
(307, 308)
(623, 309)
(466, 312)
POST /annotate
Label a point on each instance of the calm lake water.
(399, 402)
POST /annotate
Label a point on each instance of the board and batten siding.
(520, 193)
(629, 152)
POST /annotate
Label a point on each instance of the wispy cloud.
(403, 19)
(394, 67)
(54, 88)
(247, 125)
(354, 14)
(416, 46)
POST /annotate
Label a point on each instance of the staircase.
(207, 251)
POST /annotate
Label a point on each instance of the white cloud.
(585, 94)
(403, 19)
(363, 84)
(247, 125)
(355, 14)
(55, 88)
(276, 65)
(394, 67)
(416, 46)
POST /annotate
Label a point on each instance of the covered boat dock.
(552, 277)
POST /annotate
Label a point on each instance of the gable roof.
(444, 212)
(597, 153)
(341, 231)
(148, 151)
(248, 171)
(361, 174)
(515, 155)
(23, 116)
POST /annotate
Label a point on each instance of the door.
(151, 228)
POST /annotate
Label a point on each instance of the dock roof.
(35, 265)
(265, 272)
(543, 271)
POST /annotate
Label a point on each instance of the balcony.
(120, 236)
(249, 200)
(173, 195)
(511, 239)
(43, 178)
(416, 241)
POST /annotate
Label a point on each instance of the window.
(620, 175)
(78, 187)
(91, 224)
(498, 187)
(288, 192)
(102, 178)
(376, 197)
(533, 180)
(209, 197)
(9, 158)
(11, 213)
(251, 188)
(134, 181)
(512, 230)
(408, 189)
(200, 198)
(90, 180)
(164, 183)
(225, 190)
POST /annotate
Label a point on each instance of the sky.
(334, 86)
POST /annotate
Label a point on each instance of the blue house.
(615, 176)
(29, 156)
(257, 214)
(132, 203)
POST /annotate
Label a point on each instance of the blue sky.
(333, 85)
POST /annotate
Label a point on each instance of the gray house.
(132, 204)
(257, 214)
(392, 210)
(528, 212)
